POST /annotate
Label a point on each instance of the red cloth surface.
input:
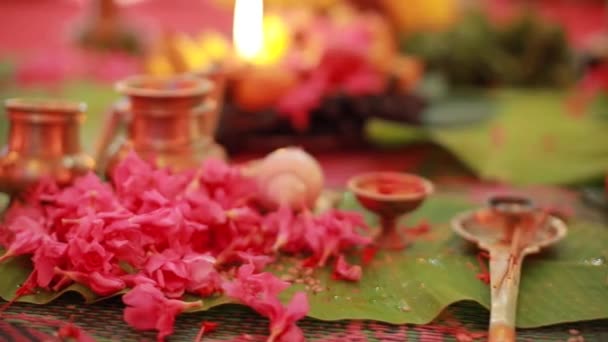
(35, 25)
(48, 25)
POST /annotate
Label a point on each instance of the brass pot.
(43, 142)
(162, 119)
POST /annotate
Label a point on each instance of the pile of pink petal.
(157, 236)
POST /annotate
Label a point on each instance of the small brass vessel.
(162, 119)
(43, 142)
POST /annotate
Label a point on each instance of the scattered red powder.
(564, 212)
(26, 288)
(497, 136)
(451, 327)
(206, 327)
(66, 330)
(471, 266)
(388, 184)
(549, 143)
(420, 230)
(484, 275)
(70, 331)
(367, 254)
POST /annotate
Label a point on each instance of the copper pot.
(162, 122)
(43, 141)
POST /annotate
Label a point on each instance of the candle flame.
(248, 29)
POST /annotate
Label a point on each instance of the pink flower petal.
(148, 309)
(344, 271)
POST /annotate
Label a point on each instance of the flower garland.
(158, 235)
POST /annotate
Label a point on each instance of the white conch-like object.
(289, 176)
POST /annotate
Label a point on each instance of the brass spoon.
(509, 229)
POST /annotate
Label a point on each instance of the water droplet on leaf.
(403, 306)
(599, 261)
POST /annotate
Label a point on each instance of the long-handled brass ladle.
(509, 229)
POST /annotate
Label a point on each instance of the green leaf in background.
(463, 109)
(531, 139)
(388, 134)
(600, 106)
(564, 284)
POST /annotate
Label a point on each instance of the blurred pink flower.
(344, 271)
(282, 223)
(168, 271)
(257, 290)
(148, 309)
(101, 284)
(259, 261)
(335, 231)
(89, 256)
(341, 69)
(127, 242)
(28, 237)
(204, 209)
(133, 280)
(50, 255)
(301, 100)
(203, 279)
(260, 291)
(283, 326)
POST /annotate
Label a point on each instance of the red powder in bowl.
(393, 185)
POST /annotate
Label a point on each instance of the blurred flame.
(248, 29)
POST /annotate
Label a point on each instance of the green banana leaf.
(563, 284)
